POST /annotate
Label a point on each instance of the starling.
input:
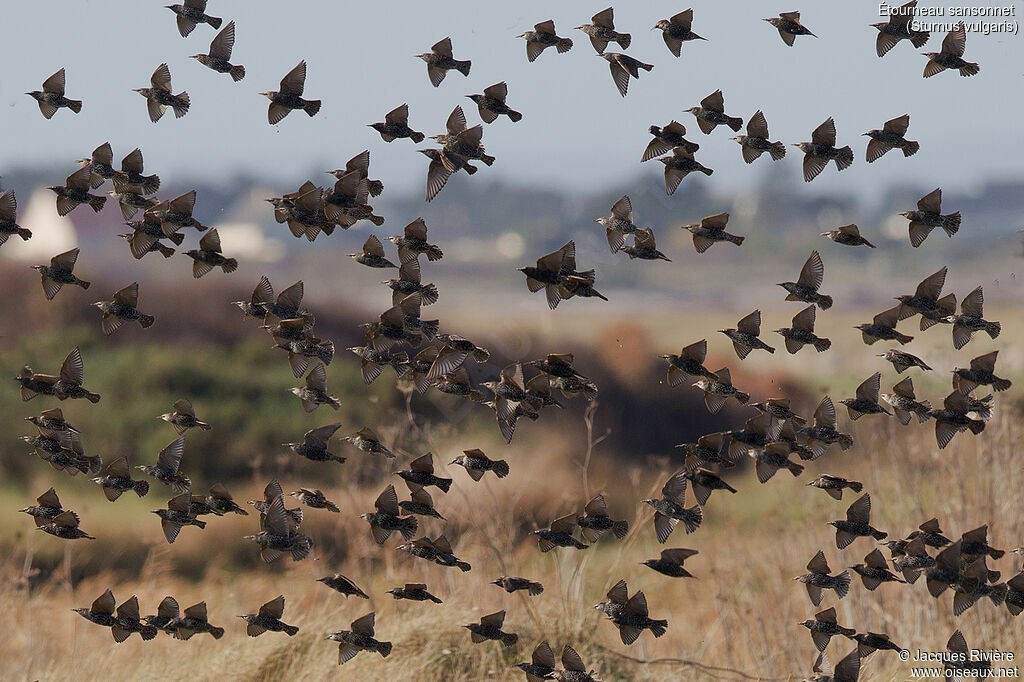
(461, 143)
(913, 561)
(220, 500)
(857, 523)
(822, 149)
(268, 618)
(1015, 594)
(118, 479)
(929, 216)
(122, 309)
(866, 401)
(409, 282)
(489, 627)
(946, 571)
(421, 472)
(437, 171)
(848, 235)
(314, 393)
(824, 627)
(756, 141)
(689, 362)
(52, 96)
(717, 391)
(744, 337)
(560, 534)
(414, 242)
(789, 26)
(971, 319)
(891, 32)
(779, 408)
(184, 417)
(438, 551)
(952, 419)
(314, 498)
(287, 306)
(644, 247)
(711, 113)
(440, 61)
(72, 375)
(342, 585)
(670, 509)
(419, 502)
(191, 13)
(847, 670)
(392, 326)
(974, 543)
(883, 327)
(806, 287)
(360, 162)
(539, 388)
(130, 178)
(542, 37)
(757, 433)
(622, 67)
(963, 662)
(194, 620)
(704, 482)
(59, 273)
(128, 621)
(367, 440)
(372, 362)
(788, 434)
(891, 136)
(926, 301)
(101, 166)
(677, 167)
(671, 562)
(271, 492)
(834, 485)
(159, 97)
(175, 214)
(491, 104)
(905, 404)
(101, 612)
(279, 533)
(396, 126)
(289, 97)
(140, 244)
(541, 665)
(973, 585)
(372, 254)
(75, 191)
(931, 534)
(602, 31)
(386, 519)
(359, 638)
(346, 203)
(677, 30)
(629, 614)
(476, 464)
(709, 449)
(314, 445)
(548, 273)
(209, 256)
(50, 422)
(665, 139)
(48, 508)
(596, 521)
(771, 458)
(414, 592)
(219, 57)
(710, 230)
(8, 218)
(512, 585)
(574, 670)
(819, 579)
(981, 373)
(168, 465)
(457, 383)
(951, 55)
(166, 613)
(177, 515)
(875, 571)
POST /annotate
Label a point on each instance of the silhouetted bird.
(122, 309)
(128, 621)
(396, 126)
(75, 191)
(184, 417)
(209, 256)
(159, 97)
(512, 585)
(314, 393)
(676, 30)
(951, 55)
(268, 618)
(973, 585)
(421, 472)
(359, 638)
(883, 327)
(671, 562)
(491, 104)
(857, 523)
(279, 534)
(847, 670)
(927, 302)
(314, 498)
(387, 518)
(561, 533)
(963, 664)
(219, 57)
(710, 230)
(9, 217)
(101, 612)
(414, 242)
(314, 445)
(289, 97)
(622, 67)
(946, 571)
(824, 627)
(667, 138)
(542, 37)
(822, 149)
(678, 166)
(167, 468)
(72, 375)
(891, 32)
(438, 551)
(191, 13)
(971, 319)
(891, 136)
(360, 162)
(602, 31)
(51, 97)
(802, 332)
(671, 509)
(629, 614)
(644, 247)
(596, 521)
(541, 665)
(704, 482)
(953, 418)
(1015, 594)
(745, 336)
(193, 621)
(549, 272)
(440, 61)
(711, 113)
(905, 404)
(118, 479)
(719, 390)
(929, 216)
(789, 26)
(342, 585)
(413, 592)
(974, 543)
(369, 442)
(806, 287)
(866, 401)
(848, 235)
(875, 571)
(476, 464)
(177, 515)
(59, 273)
(756, 141)
(489, 627)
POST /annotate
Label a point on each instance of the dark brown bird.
(159, 97)
(59, 273)
(670, 509)
(789, 27)
(314, 445)
(438, 551)
(561, 533)
(834, 486)
(928, 302)
(891, 32)
(848, 235)
(711, 114)
(51, 97)
(629, 614)
(541, 665)
(818, 579)
(387, 518)
(184, 417)
(678, 166)
(542, 37)
(883, 327)
(476, 464)
(622, 67)
(193, 621)
(437, 171)
(971, 319)
(491, 104)
(875, 571)
(360, 162)
(704, 482)
(359, 638)
(806, 287)
(419, 503)
(823, 433)
(409, 282)
(772, 457)
(891, 136)
(913, 560)
(857, 523)
(931, 534)
(961, 665)
(717, 391)
(676, 30)
(342, 585)
(395, 126)
(710, 230)
(756, 141)
(597, 521)
(314, 393)
(128, 621)
(421, 472)
(372, 254)
(550, 272)
(667, 138)
(745, 336)
(822, 149)
(175, 214)
(689, 362)
(602, 31)
(48, 508)
(220, 500)
(951, 55)
(671, 562)
(489, 627)
(168, 465)
(219, 56)
(130, 178)
(8, 218)
(866, 401)
(512, 585)
(289, 97)
(953, 418)
(167, 612)
(122, 309)
(75, 191)
(644, 247)
(314, 497)
(413, 592)
(440, 61)
(824, 627)
(117, 479)
(802, 332)
(981, 373)
(209, 256)
(72, 375)
(905, 404)
(177, 515)
(191, 13)
(929, 216)
(268, 618)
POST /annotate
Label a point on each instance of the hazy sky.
(576, 131)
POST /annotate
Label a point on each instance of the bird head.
(903, 299)
(693, 110)
(395, 591)
(905, 214)
(269, 94)
(880, 25)
(580, 28)
(99, 304)
(475, 98)
(197, 56)
(663, 25)
(37, 267)
(425, 56)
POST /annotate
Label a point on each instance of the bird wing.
(813, 272)
(294, 82)
(897, 125)
(751, 324)
(387, 502)
(715, 101)
(223, 43)
(273, 608)
(128, 296)
(860, 510)
(825, 133)
(868, 390)
(55, 83)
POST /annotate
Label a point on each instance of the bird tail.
(444, 484)
(384, 649)
(291, 630)
(409, 530)
(229, 265)
(509, 638)
(919, 38)
(201, 524)
(165, 251)
(646, 67)
(824, 302)
(777, 151)
(795, 469)
(735, 239)
(82, 283)
(515, 116)
(237, 72)
(563, 45)
(24, 233)
(822, 345)
(842, 584)
(734, 123)
(177, 238)
(706, 171)
(976, 426)
(182, 105)
(75, 105)
(416, 137)
(993, 329)
(742, 397)
(620, 528)
(97, 203)
(217, 632)
(488, 160)
(903, 338)
(624, 40)
(146, 321)
(428, 294)
(658, 627)
(141, 488)
(1001, 384)
(463, 566)
(845, 441)
(879, 535)
(93, 397)
(844, 158)
(376, 220)
(312, 107)
(214, 21)
(463, 67)
(969, 69)
(500, 468)
(951, 223)
(855, 486)
(998, 594)
(911, 148)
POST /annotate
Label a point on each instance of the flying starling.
(372, 361)
(440, 61)
(689, 362)
(438, 551)
(711, 113)
(191, 13)
(279, 533)
(59, 273)
(141, 243)
(596, 521)
(220, 500)
(891, 32)
(560, 534)
(806, 287)
(369, 442)
(396, 126)
(780, 409)
(118, 479)
(295, 337)
(457, 383)
(927, 302)
(75, 191)
(891, 136)
(51, 97)
(629, 614)
(413, 592)
(175, 214)
(971, 319)
(929, 216)
(342, 585)
(289, 97)
(167, 612)
(387, 518)
(167, 468)
(48, 508)
(602, 31)
(756, 141)
(421, 472)
(678, 166)
(489, 627)
(771, 458)
(314, 445)
(709, 450)
(314, 498)
(101, 612)
(541, 665)
(51, 422)
(745, 336)
(789, 435)
(419, 503)
(177, 515)
(913, 561)
(834, 486)
(644, 247)
(476, 464)
(866, 401)
(194, 621)
(574, 670)
(1015, 594)
(548, 273)
(822, 149)
(857, 523)
(72, 375)
(184, 417)
(219, 57)
(704, 482)
(973, 585)
(542, 37)
(414, 242)
(346, 203)
(122, 309)
(717, 391)
(757, 433)
(8, 218)
(883, 327)
(209, 256)
(819, 579)
(128, 621)
(461, 143)
(268, 618)
(101, 165)
(314, 393)
(667, 138)
(359, 638)
(946, 571)
(974, 543)
(951, 56)
(670, 510)
(824, 627)
(848, 235)
(931, 534)
(677, 29)
(130, 178)
(491, 104)
(953, 418)
(847, 670)
(408, 282)
(288, 305)
(159, 97)
(710, 230)
(962, 663)
(372, 254)
(671, 562)
(875, 571)
(905, 404)
(622, 67)
(360, 162)
(512, 585)
(789, 26)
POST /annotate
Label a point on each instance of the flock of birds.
(423, 358)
